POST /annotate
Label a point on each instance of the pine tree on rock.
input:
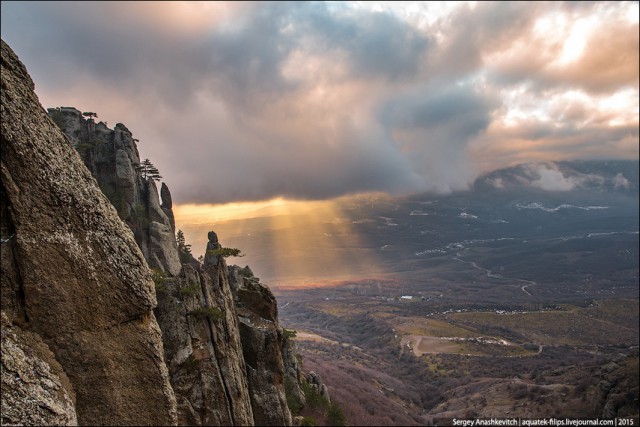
(148, 170)
(184, 249)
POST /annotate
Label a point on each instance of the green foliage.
(159, 278)
(90, 114)
(191, 290)
(184, 257)
(335, 417)
(85, 148)
(184, 249)
(309, 421)
(225, 252)
(180, 240)
(313, 398)
(320, 405)
(295, 406)
(299, 358)
(57, 117)
(211, 313)
(289, 333)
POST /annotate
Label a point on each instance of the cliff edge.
(73, 278)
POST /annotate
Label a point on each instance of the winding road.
(492, 275)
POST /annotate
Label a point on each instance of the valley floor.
(390, 360)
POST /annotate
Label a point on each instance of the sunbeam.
(286, 242)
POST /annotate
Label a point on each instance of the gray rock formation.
(206, 356)
(315, 381)
(202, 344)
(262, 341)
(225, 352)
(211, 260)
(76, 277)
(167, 205)
(163, 249)
(113, 159)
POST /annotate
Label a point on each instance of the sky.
(245, 101)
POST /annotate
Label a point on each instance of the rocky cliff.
(223, 346)
(80, 303)
(207, 347)
(112, 157)
(77, 295)
(262, 345)
(203, 350)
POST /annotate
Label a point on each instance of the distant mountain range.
(565, 176)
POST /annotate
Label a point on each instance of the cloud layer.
(249, 101)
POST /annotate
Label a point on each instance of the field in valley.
(465, 362)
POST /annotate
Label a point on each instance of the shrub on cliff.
(226, 252)
(184, 249)
(211, 313)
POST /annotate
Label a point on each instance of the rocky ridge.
(227, 359)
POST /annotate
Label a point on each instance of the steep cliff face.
(204, 353)
(262, 343)
(90, 298)
(226, 367)
(113, 159)
(73, 275)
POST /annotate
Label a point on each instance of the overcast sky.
(249, 101)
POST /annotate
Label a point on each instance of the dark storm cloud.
(457, 107)
(434, 127)
(245, 101)
(376, 44)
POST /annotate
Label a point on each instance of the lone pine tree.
(148, 170)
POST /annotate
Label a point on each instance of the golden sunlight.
(286, 242)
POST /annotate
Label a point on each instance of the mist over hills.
(539, 222)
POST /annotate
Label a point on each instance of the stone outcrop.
(315, 382)
(72, 272)
(114, 161)
(203, 350)
(293, 373)
(163, 249)
(167, 205)
(262, 342)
